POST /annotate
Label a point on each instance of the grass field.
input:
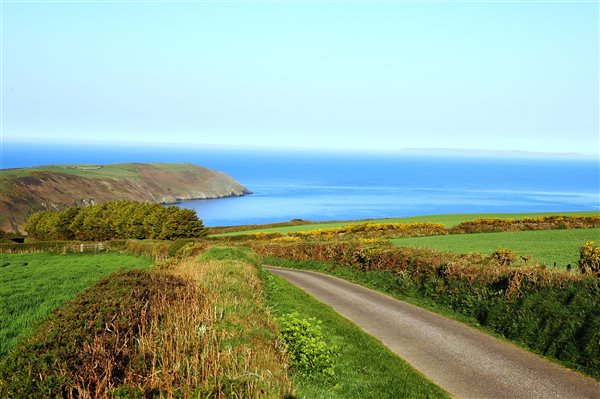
(108, 171)
(364, 368)
(544, 246)
(446, 220)
(32, 285)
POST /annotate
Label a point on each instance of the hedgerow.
(420, 229)
(538, 223)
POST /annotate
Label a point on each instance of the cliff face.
(29, 190)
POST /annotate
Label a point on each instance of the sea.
(321, 185)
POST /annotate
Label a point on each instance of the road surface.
(462, 360)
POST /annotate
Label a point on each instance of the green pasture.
(109, 171)
(446, 220)
(544, 246)
(33, 285)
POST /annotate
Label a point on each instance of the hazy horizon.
(11, 150)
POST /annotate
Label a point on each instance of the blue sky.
(343, 75)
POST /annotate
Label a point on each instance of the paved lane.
(462, 360)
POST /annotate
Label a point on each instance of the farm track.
(462, 360)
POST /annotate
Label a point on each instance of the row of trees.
(116, 220)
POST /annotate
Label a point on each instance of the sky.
(354, 75)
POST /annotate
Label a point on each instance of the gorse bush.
(116, 220)
(538, 223)
(422, 229)
(504, 256)
(306, 346)
(589, 258)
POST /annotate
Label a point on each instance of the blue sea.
(331, 186)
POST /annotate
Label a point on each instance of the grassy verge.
(32, 285)
(561, 323)
(446, 220)
(200, 329)
(364, 368)
(544, 246)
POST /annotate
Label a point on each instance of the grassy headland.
(27, 190)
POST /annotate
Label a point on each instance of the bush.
(589, 258)
(308, 351)
(177, 245)
(504, 256)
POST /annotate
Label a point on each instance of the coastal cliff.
(25, 191)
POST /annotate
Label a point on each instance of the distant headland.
(24, 191)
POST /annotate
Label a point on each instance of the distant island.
(24, 191)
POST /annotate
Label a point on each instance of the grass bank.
(543, 246)
(364, 368)
(33, 285)
(448, 220)
(199, 329)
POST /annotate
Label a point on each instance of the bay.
(339, 186)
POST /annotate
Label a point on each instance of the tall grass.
(198, 330)
(220, 342)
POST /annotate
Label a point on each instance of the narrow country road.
(462, 360)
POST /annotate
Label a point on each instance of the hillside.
(24, 191)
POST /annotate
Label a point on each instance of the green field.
(364, 367)
(109, 171)
(446, 220)
(33, 285)
(544, 246)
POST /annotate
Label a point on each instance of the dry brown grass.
(217, 340)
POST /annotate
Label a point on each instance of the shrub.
(589, 258)
(308, 351)
(177, 245)
(504, 256)
(417, 229)
(191, 249)
(287, 239)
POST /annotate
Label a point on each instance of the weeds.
(309, 353)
